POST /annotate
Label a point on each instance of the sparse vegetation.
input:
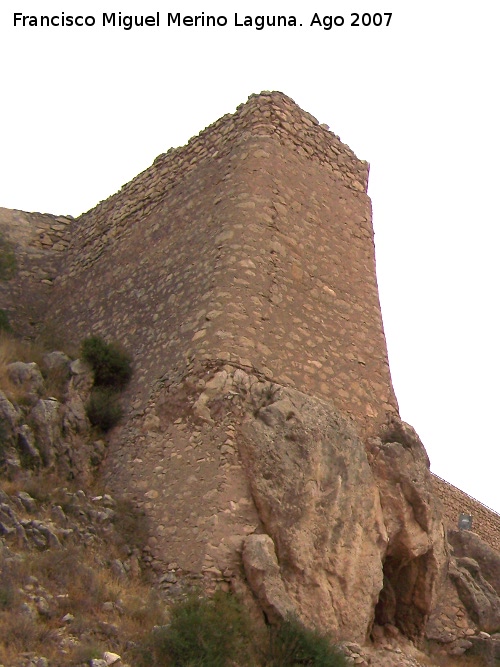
(85, 652)
(264, 395)
(208, 632)
(112, 366)
(8, 593)
(214, 632)
(103, 409)
(40, 586)
(8, 263)
(291, 643)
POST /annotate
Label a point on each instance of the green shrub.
(112, 366)
(103, 408)
(4, 322)
(292, 644)
(8, 263)
(203, 632)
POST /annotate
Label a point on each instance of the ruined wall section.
(261, 256)
(485, 521)
(39, 242)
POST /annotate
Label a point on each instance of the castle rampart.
(265, 115)
(239, 272)
(38, 241)
(252, 245)
(485, 521)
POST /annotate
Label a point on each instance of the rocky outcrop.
(41, 430)
(416, 555)
(317, 499)
(466, 616)
(466, 544)
(326, 526)
(353, 533)
(479, 598)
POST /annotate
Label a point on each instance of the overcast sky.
(84, 109)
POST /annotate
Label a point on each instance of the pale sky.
(84, 109)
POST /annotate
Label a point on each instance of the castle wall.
(485, 521)
(264, 115)
(253, 245)
(38, 241)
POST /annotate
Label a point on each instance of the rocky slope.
(343, 533)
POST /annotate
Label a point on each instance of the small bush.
(112, 366)
(293, 644)
(203, 632)
(4, 322)
(103, 409)
(8, 263)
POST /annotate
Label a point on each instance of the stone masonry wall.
(265, 115)
(485, 521)
(252, 245)
(39, 241)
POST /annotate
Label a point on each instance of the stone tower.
(252, 245)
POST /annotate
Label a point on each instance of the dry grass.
(45, 487)
(14, 349)
(452, 661)
(77, 581)
(22, 633)
(109, 612)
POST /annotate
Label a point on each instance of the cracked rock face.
(40, 431)
(318, 500)
(273, 487)
(351, 534)
(416, 556)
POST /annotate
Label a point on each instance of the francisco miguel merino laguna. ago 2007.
(127, 22)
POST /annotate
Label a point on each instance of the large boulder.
(27, 378)
(479, 598)
(356, 534)
(465, 543)
(319, 502)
